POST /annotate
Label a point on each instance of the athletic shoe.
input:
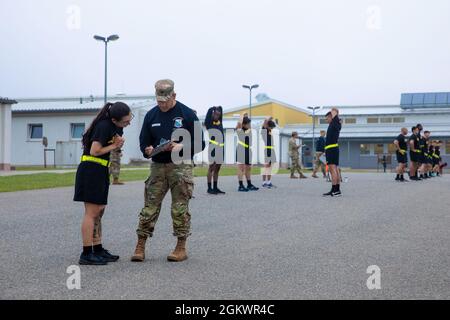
(218, 191)
(397, 179)
(264, 185)
(252, 188)
(107, 256)
(92, 259)
(336, 194)
(242, 189)
(211, 191)
(328, 194)
(270, 185)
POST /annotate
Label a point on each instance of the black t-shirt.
(402, 142)
(424, 145)
(267, 136)
(211, 124)
(160, 125)
(416, 139)
(104, 132)
(320, 144)
(334, 128)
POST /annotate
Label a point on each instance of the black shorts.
(216, 159)
(244, 156)
(402, 158)
(414, 156)
(270, 156)
(92, 183)
(332, 156)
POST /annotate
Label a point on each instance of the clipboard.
(160, 148)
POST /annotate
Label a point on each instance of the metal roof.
(381, 110)
(33, 105)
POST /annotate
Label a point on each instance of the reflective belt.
(417, 151)
(100, 161)
(402, 151)
(436, 156)
(331, 146)
(216, 143)
(269, 147)
(243, 144)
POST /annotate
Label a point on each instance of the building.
(62, 121)
(5, 133)
(282, 112)
(368, 132)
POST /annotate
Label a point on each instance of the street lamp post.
(314, 126)
(250, 88)
(113, 37)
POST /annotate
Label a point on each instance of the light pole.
(314, 127)
(250, 88)
(113, 37)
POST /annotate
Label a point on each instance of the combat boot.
(139, 253)
(293, 176)
(179, 254)
(116, 181)
(302, 176)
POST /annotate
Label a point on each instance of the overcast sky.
(321, 52)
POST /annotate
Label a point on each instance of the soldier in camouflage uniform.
(114, 168)
(295, 158)
(166, 174)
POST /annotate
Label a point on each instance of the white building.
(62, 121)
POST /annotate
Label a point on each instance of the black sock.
(249, 183)
(98, 248)
(241, 184)
(398, 176)
(209, 185)
(87, 250)
(215, 184)
(338, 187)
(333, 188)
(402, 177)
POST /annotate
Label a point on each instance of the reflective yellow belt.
(100, 161)
(436, 156)
(418, 151)
(243, 144)
(269, 147)
(331, 146)
(216, 143)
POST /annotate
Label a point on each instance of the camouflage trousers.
(164, 176)
(295, 165)
(114, 168)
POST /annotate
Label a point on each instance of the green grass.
(55, 180)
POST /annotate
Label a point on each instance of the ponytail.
(110, 110)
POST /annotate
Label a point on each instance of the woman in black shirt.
(92, 177)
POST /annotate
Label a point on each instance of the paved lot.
(285, 243)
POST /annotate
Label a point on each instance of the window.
(35, 131)
(391, 148)
(379, 148)
(372, 120)
(364, 149)
(386, 120)
(447, 147)
(77, 130)
(399, 119)
(350, 120)
(323, 121)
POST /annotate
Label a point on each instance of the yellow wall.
(284, 114)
